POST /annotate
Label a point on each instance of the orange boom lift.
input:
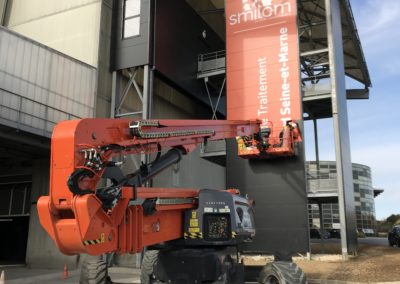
(82, 216)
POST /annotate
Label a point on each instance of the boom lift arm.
(83, 218)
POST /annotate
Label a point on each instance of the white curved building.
(322, 188)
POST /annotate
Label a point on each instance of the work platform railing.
(211, 64)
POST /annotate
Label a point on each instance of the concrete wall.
(40, 86)
(3, 4)
(104, 77)
(69, 26)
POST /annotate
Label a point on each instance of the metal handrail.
(212, 55)
(321, 176)
(211, 62)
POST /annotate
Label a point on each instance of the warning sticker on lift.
(194, 222)
(96, 241)
(224, 210)
(198, 235)
(194, 230)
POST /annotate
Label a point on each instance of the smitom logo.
(258, 10)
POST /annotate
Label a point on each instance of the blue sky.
(375, 123)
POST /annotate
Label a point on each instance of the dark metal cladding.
(279, 188)
(132, 51)
(180, 36)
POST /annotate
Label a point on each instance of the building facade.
(324, 181)
(70, 59)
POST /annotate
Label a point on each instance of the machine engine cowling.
(222, 218)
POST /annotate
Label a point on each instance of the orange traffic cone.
(65, 273)
(2, 280)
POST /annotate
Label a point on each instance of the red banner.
(263, 75)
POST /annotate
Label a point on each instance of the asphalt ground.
(24, 275)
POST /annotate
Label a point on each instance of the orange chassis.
(87, 228)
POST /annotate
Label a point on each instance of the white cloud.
(379, 19)
(379, 29)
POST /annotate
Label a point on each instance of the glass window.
(131, 18)
(132, 8)
(326, 206)
(324, 176)
(5, 197)
(132, 27)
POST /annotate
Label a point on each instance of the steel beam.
(316, 143)
(145, 96)
(341, 129)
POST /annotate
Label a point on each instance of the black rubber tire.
(94, 272)
(282, 272)
(150, 259)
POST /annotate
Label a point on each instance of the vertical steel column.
(341, 130)
(148, 76)
(115, 93)
(147, 106)
(321, 226)
(316, 143)
(147, 101)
